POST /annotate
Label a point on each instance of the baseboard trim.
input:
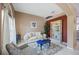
(70, 48)
(64, 43)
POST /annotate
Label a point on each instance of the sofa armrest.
(22, 46)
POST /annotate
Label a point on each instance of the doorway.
(63, 21)
(56, 30)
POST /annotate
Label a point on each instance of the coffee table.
(42, 42)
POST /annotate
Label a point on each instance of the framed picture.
(33, 24)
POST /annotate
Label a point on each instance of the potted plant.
(47, 29)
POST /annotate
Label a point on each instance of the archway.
(71, 24)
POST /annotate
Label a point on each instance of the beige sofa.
(32, 37)
(12, 49)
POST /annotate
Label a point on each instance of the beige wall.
(0, 28)
(23, 23)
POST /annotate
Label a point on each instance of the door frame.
(59, 41)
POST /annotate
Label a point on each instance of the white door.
(56, 30)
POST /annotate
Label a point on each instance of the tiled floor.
(67, 51)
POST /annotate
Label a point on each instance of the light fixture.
(48, 17)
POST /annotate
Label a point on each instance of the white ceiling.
(39, 9)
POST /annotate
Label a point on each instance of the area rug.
(54, 48)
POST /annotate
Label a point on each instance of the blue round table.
(42, 42)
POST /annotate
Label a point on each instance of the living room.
(33, 23)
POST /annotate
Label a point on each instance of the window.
(77, 26)
(12, 30)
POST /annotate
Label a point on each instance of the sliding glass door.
(56, 28)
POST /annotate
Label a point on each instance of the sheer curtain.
(12, 30)
(9, 32)
(9, 28)
(5, 29)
